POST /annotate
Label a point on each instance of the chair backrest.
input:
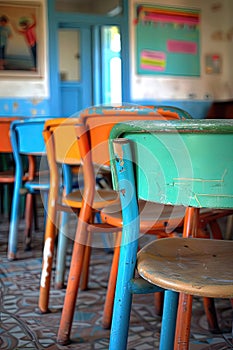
(61, 140)
(26, 136)
(100, 120)
(183, 162)
(5, 142)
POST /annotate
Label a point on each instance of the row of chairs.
(80, 144)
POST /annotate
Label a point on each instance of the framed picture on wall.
(21, 39)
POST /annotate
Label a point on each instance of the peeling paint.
(216, 6)
(15, 106)
(123, 191)
(36, 101)
(47, 254)
(34, 112)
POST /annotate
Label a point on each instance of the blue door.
(75, 69)
(89, 67)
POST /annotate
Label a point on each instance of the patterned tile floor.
(22, 327)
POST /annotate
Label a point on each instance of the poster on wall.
(167, 40)
(21, 39)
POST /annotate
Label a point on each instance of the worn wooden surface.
(194, 266)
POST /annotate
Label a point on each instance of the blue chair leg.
(168, 326)
(14, 221)
(61, 251)
(128, 253)
(123, 299)
(45, 203)
(62, 233)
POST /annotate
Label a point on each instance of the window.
(111, 65)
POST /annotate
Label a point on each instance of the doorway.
(89, 66)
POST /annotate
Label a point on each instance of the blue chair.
(185, 162)
(26, 139)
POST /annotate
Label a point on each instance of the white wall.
(216, 38)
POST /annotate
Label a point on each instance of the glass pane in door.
(111, 65)
(69, 55)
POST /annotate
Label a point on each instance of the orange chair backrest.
(5, 142)
(100, 122)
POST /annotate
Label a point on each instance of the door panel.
(75, 70)
(71, 100)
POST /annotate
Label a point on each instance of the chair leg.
(109, 300)
(215, 229)
(208, 303)
(228, 234)
(74, 278)
(85, 269)
(211, 315)
(28, 221)
(36, 224)
(14, 220)
(184, 312)
(63, 336)
(122, 304)
(183, 322)
(158, 300)
(168, 320)
(50, 235)
(61, 251)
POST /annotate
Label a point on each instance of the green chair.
(184, 162)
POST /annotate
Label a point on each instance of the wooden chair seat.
(101, 198)
(154, 216)
(191, 266)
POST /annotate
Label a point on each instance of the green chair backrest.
(181, 162)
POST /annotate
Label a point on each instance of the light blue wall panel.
(24, 107)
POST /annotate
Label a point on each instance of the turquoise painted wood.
(143, 156)
(128, 108)
(189, 149)
(125, 286)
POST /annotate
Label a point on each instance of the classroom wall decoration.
(167, 40)
(22, 45)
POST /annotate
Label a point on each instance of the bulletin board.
(167, 40)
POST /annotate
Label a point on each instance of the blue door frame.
(90, 32)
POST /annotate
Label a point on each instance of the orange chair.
(67, 153)
(63, 151)
(93, 145)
